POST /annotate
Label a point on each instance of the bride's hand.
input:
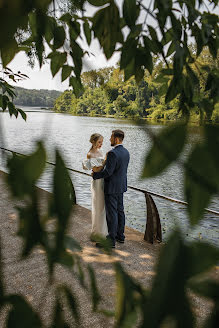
(97, 168)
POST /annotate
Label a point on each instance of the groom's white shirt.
(117, 145)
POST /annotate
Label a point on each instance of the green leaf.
(57, 61)
(66, 71)
(200, 183)
(128, 53)
(77, 54)
(163, 89)
(94, 289)
(12, 110)
(64, 194)
(108, 33)
(71, 244)
(130, 12)
(153, 33)
(176, 27)
(58, 316)
(129, 297)
(76, 84)
(64, 258)
(39, 49)
(167, 37)
(29, 225)
(173, 89)
(213, 47)
(161, 78)
(170, 280)
(171, 49)
(98, 3)
(66, 18)
(152, 45)
(72, 302)
(49, 29)
(23, 114)
(59, 37)
(80, 274)
(207, 288)
(192, 75)
(74, 30)
(22, 315)
(134, 32)
(166, 148)
(62, 206)
(25, 171)
(144, 58)
(5, 101)
(87, 31)
(8, 52)
(130, 69)
(208, 254)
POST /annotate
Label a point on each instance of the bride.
(95, 159)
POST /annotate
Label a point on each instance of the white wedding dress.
(99, 225)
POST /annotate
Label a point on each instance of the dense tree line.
(106, 93)
(33, 97)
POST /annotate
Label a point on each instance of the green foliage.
(108, 33)
(7, 93)
(33, 97)
(21, 309)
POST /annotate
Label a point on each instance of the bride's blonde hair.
(94, 137)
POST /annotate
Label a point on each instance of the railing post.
(153, 226)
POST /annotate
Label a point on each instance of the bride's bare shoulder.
(89, 155)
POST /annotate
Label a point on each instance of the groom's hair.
(118, 134)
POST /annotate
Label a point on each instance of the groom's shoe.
(121, 241)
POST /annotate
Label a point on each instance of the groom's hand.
(97, 168)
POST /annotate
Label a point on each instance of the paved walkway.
(29, 277)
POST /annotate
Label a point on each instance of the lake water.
(71, 135)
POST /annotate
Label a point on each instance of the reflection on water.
(71, 135)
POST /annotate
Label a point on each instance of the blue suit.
(115, 184)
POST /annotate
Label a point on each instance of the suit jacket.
(115, 171)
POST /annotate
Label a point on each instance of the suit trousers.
(115, 216)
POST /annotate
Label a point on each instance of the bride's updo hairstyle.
(94, 138)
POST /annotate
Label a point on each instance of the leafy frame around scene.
(34, 24)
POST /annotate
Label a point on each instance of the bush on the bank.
(215, 115)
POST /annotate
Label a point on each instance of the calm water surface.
(71, 135)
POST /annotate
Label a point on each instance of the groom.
(115, 184)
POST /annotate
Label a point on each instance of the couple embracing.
(108, 186)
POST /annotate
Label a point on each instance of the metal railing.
(153, 226)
